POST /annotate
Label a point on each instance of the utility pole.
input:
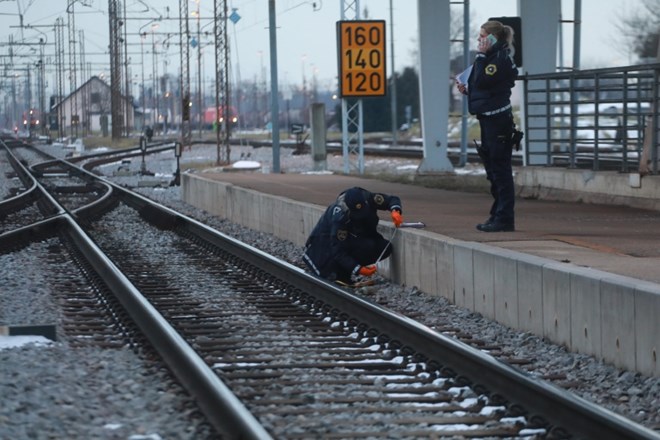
(127, 78)
(14, 104)
(42, 87)
(59, 75)
(73, 102)
(142, 101)
(115, 69)
(393, 86)
(351, 112)
(274, 98)
(154, 73)
(84, 95)
(13, 84)
(464, 102)
(222, 95)
(184, 35)
(200, 110)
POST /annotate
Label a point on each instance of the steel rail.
(27, 234)
(221, 407)
(34, 192)
(104, 157)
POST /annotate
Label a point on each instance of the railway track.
(269, 351)
(607, 158)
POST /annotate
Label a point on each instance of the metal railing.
(598, 119)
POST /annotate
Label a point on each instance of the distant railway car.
(31, 122)
(210, 116)
(31, 118)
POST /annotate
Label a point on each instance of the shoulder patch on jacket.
(379, 199)
(491, 69)
(342, 234)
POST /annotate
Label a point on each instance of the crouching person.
(345, 243)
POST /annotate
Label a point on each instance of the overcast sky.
(306, 33)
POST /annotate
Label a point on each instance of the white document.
(462, 78)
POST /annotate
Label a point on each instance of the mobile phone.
(492, 39)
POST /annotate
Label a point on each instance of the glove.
(397, 218)
(367, 271)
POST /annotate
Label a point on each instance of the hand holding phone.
(486, 43)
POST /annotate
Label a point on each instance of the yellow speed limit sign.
(361, 58)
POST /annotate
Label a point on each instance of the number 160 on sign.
(362, 58)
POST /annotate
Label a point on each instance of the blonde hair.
(500, 31)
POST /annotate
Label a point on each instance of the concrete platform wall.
(605, 187)
(604, 315)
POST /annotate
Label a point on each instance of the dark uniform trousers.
(366, 251)
(495, 152)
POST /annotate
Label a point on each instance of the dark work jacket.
(491, 80)
(328, 244)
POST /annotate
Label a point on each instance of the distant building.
(87, 110)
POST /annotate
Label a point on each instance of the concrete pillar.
(434, 83)
(540, 27)
(318, 128)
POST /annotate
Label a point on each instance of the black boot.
(490, 220)
(496, 227)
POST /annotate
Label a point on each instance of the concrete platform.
(583, 275)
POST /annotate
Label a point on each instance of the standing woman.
(488, 90)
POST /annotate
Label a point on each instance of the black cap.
(354, 199)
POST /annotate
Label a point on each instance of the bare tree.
(641, 29)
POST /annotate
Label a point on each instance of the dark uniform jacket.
(490, 82)
(328, 244)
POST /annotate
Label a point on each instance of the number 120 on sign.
(361, 58)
